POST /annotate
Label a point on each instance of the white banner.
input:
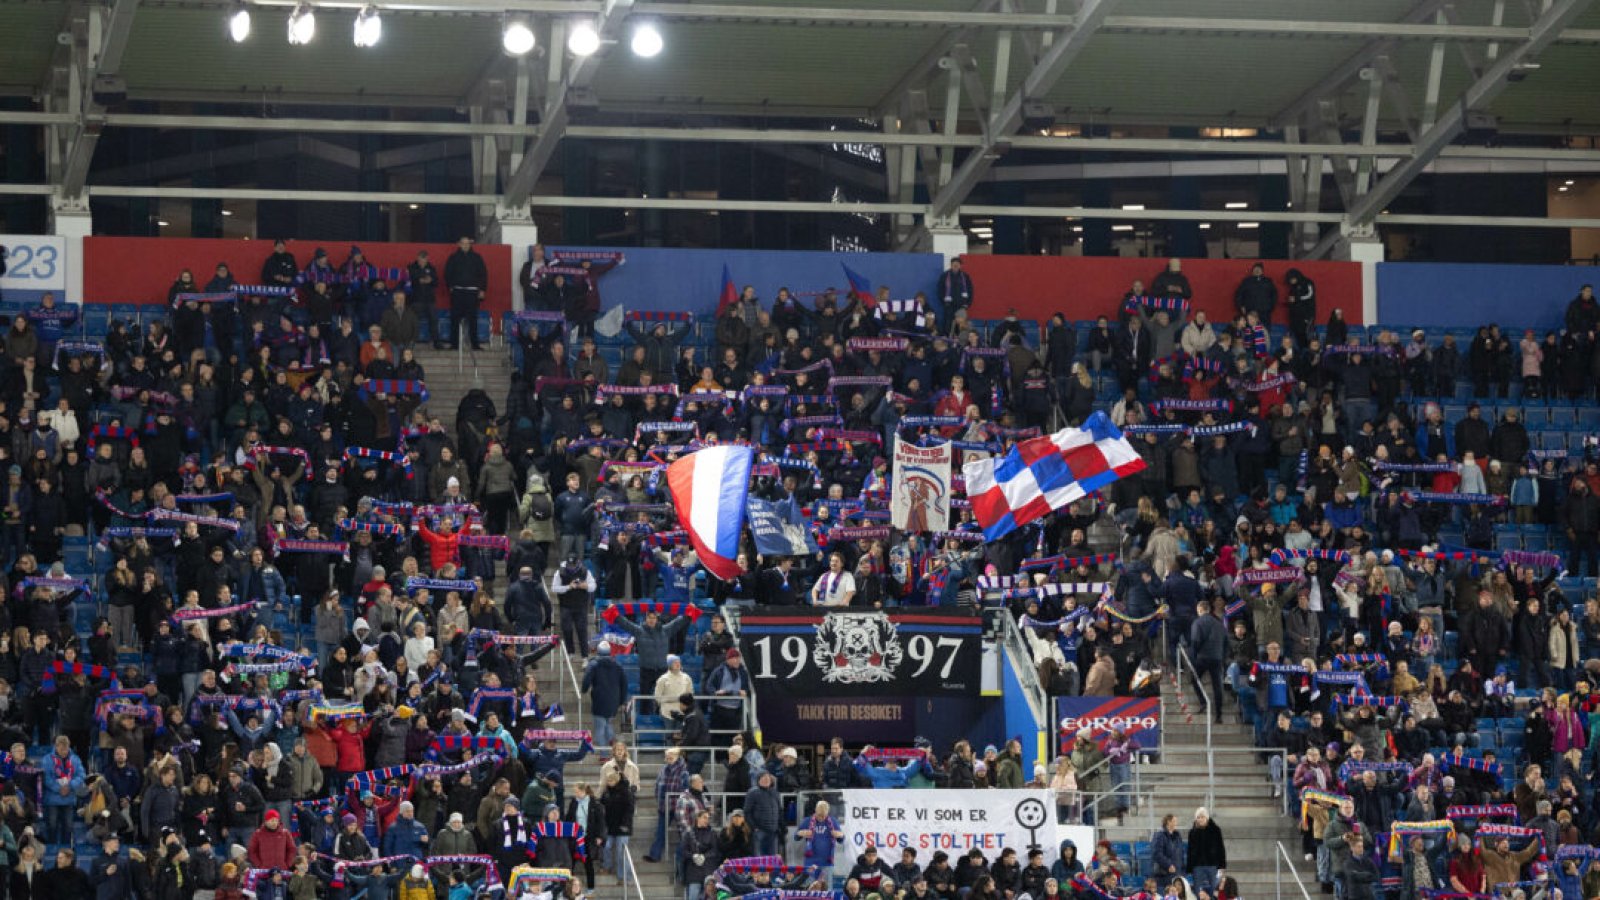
(34, 262)
(919, 496)
(954, 821)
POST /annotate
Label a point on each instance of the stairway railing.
(1285, 862)
(1208, 714)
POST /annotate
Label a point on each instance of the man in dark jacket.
(1582, 519)
(1472, 433)
(110, 875)
(421, 298)
(1484, 634)
(1509, 443)
(954, 292)
(1208, 639)
(67, 880)
(764, 808)
(467, 278)
(527, 605)
(1257, 294)
(607, 686)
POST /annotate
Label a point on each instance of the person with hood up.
(538, 509)
(1301, 300)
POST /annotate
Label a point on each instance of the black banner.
(822, 655)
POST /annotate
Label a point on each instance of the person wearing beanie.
(351, 844)
(731, 683)
(607, 686)
(271, 846)
(405, 836)
(453, 839)
(417, 885)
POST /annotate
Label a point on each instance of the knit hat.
(271, 816)
(417, 871)
(604, 649)
(347, 819)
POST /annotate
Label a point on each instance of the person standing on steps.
(1208, 638)
(1207, 856)
(467, 278)
(424, 279)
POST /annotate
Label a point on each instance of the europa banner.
(823, 655)
(919, 498)
(954, 821)
(1139, 718)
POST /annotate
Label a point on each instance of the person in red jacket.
(271, 847)
(349, 741)
(443, 547)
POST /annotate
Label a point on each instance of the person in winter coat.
(417, 885)
(538, 508)
(497, 489)
(63, 781)
(1256, 294)
(1207, 855)
(271, 846)
(618, 800)
(764, 810)
(700, 858)
(1301, 300)
(1167, 853)
(607, 687)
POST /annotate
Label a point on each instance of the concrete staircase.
(451, 374)
(1240, 798)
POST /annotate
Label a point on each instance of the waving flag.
(709, 487)
(1046, 473)
(730, 294)
(860, 287)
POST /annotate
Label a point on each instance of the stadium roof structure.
(1374, 91)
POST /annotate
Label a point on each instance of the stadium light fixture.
(302, 25)
(584, 39)
(369, 28)
(647, 42)
(239, 24)
(517, 39)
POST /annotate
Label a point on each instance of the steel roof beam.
(1005, 122)
(1453, 122)
(106, 50)
(558, 110)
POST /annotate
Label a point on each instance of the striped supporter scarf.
(1492, 830)
(303, 456)
(637, 610)
(270, 651)
(393, 457)
(1181, 404)
(932, 421)
(895, 754)
(491, 871)
(572, 831)
(1309, 798)
(636, 315)
(374, 779)
(428, 770)
(489, 695)
(47, 680)
(804, 422)
(1203, 368)
(1484, 811)
(1283, 557)
(172, 515)
(1055, 590)
(459, 743)
(882, 345)
(866, 533)
(1381, 466)
(1427, 829)
(188, 613)
(604, 391)
(1081, 612)
(1223, 429)
(340, 866)
(56, 585)
(1001, 582)
(337, 712)
(206, 297)
(1457, 499)
(496, 542)
(538, 736)
(847, 382)
(295, 545)
(1269, 576)
(390, 529)
(460, 585)
(111, 433)
(392, 386)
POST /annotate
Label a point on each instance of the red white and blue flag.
(709, 487)
(860, 287)
(730, 294)
(1046, 473)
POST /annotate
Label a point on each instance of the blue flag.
(779, 529)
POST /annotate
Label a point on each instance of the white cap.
(453, 482)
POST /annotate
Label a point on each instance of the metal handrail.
(633, 872)
(1210, 715)
(577, 688)
(1282, 859)
(1015, 647)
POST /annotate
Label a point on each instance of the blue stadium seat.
(1536, 416)
(1588, 416)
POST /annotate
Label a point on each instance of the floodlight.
(517, 38)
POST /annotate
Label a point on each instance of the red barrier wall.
(141, 270)
(1084, 287)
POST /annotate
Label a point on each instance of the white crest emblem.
(857, 648)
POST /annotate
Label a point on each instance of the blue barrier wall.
(1020, 720)
(691, 280)
(1464, 295)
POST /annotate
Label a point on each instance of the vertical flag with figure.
(730, 294)
(708, 491)
(860, 287)
(1046, 473)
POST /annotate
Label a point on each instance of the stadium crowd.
(289, 661)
